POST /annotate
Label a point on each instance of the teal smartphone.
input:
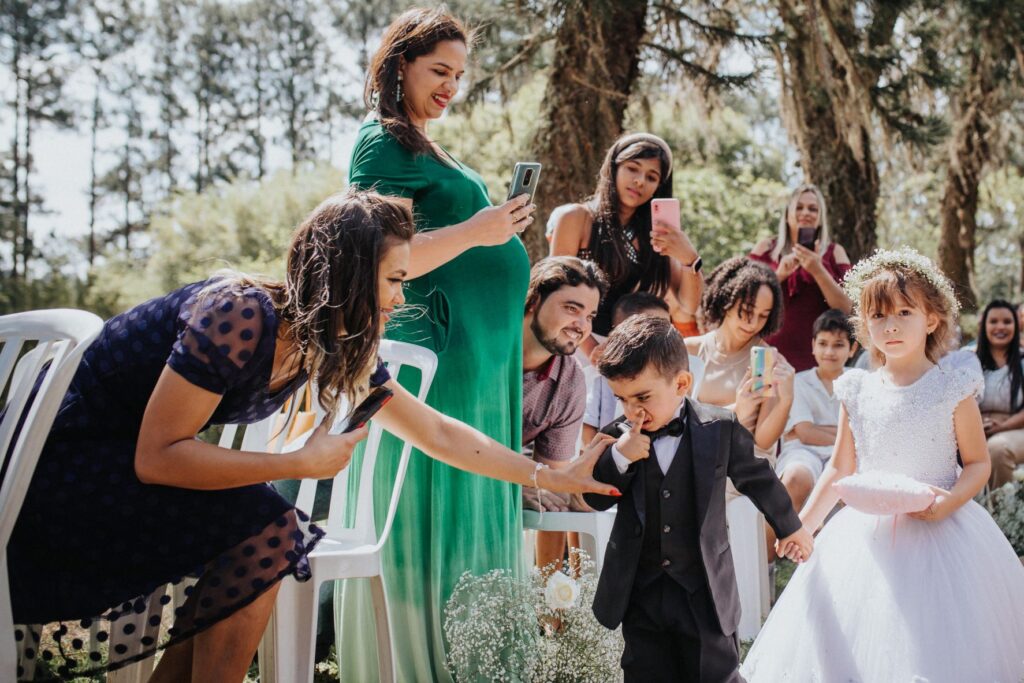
(524, 179)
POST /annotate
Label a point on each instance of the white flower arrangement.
(1006, 504)
(538, 628)
(902, 259)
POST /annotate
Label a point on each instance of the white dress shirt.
(664, 448)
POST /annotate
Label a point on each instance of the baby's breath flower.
(1006, 504)
(503, 628)
(903, 258)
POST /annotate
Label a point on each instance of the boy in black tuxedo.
(668, 576)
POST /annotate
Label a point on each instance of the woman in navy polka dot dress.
(127, 505)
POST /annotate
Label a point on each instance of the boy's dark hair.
(638, 302)
(737, 282)
(554, 272)
(643, 340)
(834, 320)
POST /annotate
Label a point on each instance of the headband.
(633, 138)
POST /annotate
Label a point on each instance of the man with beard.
(561, 303)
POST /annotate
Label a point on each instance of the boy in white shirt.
(811, 429)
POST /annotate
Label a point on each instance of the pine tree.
(32, 34)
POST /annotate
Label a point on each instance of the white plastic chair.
(345, 552)
(268, 435)
(697, 370)
(596, 528)
(750, 558)
(61, 337)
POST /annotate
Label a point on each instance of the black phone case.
(368, 408)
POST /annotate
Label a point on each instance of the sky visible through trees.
(126, 126)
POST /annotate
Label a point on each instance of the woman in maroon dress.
(810, 277)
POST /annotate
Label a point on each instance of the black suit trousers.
(673, 636)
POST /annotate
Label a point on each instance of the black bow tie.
(673, 428)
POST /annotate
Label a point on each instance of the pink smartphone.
(665, 210)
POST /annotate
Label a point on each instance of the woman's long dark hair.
(329, 297)
(1012, 353)
(413, 34)
(607, 240)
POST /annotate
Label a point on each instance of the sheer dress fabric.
(105, 569)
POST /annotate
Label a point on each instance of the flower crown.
(905, 259)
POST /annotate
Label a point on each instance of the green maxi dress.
(448, 521)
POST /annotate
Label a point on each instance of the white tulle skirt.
(924, 601)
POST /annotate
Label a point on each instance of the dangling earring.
(398, 90)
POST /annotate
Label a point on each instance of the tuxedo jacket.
(720, 447)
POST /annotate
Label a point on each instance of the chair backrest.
(267, 435)
(61, 337)
(697, 370)
(395, 355)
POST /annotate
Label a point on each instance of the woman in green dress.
(469, 274)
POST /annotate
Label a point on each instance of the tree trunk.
(26, 187)
(16, 158)
(93, 185)
(827, 121)
(977, 108)
(596, 61)
(969, 152)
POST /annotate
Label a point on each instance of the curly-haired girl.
(743, 304)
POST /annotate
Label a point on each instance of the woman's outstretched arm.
(457, 444)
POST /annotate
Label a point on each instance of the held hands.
(324, 454)
(496, 225)
(798, 546)
(787, 264)
(578, 475)
(808, 259)
(633, 444)
(669, 240)
(943, 506)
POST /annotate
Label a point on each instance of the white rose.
(1018, 474)
(561, 591)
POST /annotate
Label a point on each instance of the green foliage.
(245, 225)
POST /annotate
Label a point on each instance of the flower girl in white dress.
(936, 595)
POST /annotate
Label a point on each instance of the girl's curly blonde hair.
(891, 278)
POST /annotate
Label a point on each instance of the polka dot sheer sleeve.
(221, 332)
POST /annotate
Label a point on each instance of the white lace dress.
(918, 601)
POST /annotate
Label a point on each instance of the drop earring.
(398, 90)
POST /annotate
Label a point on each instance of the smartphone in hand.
(524, 179)
(377, 399)
(762, 368)
(806, 237)
(665, 210)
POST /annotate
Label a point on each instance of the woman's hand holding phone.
(496, 225)
(808, 259)
(325, 454)
(667, 236)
